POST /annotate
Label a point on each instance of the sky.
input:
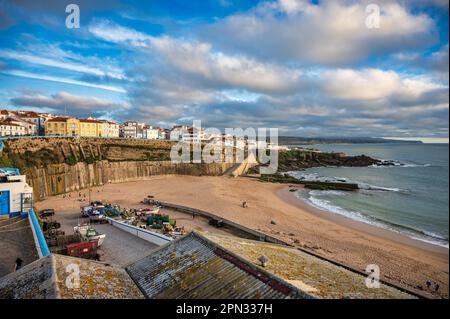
(309, 68)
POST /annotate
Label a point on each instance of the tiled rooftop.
(46, 278)
(318, 277)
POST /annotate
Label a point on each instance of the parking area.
(119, 247)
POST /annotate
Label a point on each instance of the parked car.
(47, 212)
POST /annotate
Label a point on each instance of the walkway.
(16, 240)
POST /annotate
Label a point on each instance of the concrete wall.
(242, 230)
(242, 169)
(147, 235)
(39, 239)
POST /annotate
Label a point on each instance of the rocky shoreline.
(299, 159)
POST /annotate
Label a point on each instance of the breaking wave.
(311, 197)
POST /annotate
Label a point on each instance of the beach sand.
(274, 210)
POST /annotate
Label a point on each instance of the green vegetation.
(71, 160)
(141, 147)
(5, 161)
(28, 159)
(89, 160)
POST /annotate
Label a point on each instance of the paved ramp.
(121, 248)
(16, 241)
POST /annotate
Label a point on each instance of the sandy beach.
(274, 210)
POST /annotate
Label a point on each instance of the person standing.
(18, 264)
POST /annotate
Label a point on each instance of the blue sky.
(309, 68)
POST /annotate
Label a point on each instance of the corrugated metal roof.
(193, 267)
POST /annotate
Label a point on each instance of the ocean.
(411, 198)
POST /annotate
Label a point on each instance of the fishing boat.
(90, 233)
(153, 210)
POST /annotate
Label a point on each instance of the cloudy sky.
(309, 68)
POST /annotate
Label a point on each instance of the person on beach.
(18, 264)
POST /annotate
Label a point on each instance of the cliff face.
(60, 178)
(58, 165)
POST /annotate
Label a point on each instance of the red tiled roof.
(9, 123)
(29, 114)
(58, 119)
(90, 121)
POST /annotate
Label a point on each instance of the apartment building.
(187, 134)
(62, 126)
(27, 120)
(90, 127)
(35, 123)
(108, 129)
(164, 134)
(128, 130)
(151, 132)
(38, 119)
(176, 134)
(10, 128)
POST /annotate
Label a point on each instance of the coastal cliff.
(61, 178)
(59, 165)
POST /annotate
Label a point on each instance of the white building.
(28, 119)
(151, 132)
(38, 119)
(15, 193)
(176, 133)
(164, 134)
(128, 130)
(109, 129)
(11, 128)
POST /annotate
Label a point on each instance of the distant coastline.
(293, 140)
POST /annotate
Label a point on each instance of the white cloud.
(259, 70)
(372, 84)
(29, 75)
(198, 59)
(65, 100)
(39, 60)
(332, 32)
(111, 32)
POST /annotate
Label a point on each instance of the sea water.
(410, 198)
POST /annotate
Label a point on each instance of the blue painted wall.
(4, 202)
